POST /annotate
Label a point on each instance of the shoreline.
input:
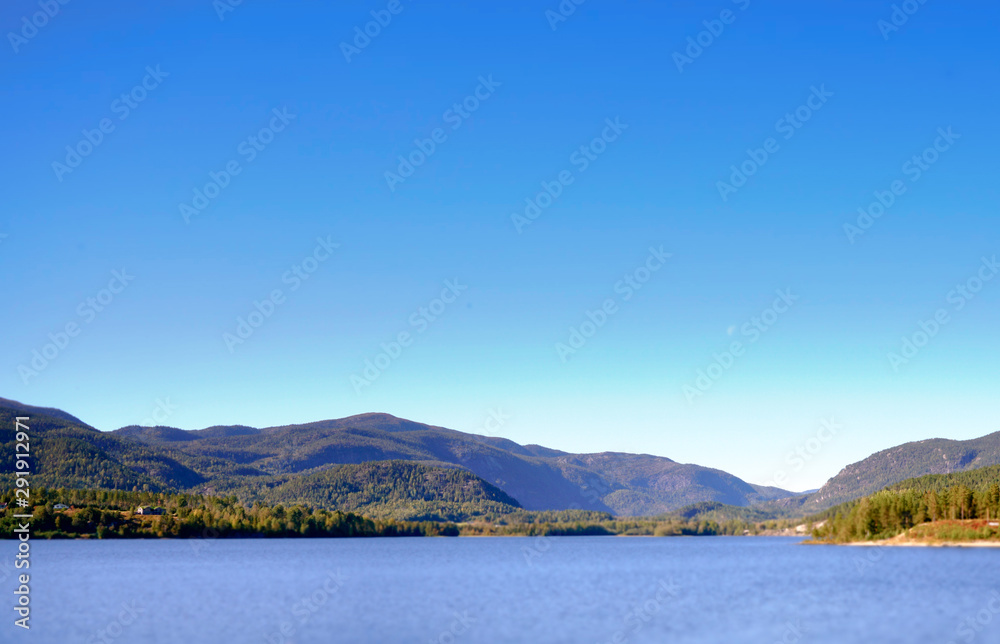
(943, 533)
(921, 544)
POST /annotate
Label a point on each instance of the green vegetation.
(398, 490)
(903, 462)
(283, 465)
(721, 513)
(948, 498)
(70, 455)
(954, 531)
(376, 474)
(109, 514)
(581, 522)
(234, 480)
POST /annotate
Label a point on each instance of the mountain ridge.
(539, 478)
(901, 462)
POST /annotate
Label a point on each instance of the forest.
(111, 514)
(399, 490)
(940, 497)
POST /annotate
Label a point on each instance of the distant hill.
(28, 410)
(239, 457)
(719, 512)
(285, 464)
(953, 507)
(400, 490)
(979, 481)
(539, 478)
(935, 456)
(68, 454)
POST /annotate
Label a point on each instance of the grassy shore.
(975, 533)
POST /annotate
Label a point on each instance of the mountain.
(910, 460)
(68, 453)
(28, 410)
(305, 463)
(539, 478)
(73, 454)
(400, 490)
(955, 507)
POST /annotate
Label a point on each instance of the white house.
(60, 506)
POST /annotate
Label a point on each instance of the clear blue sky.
(874, 99)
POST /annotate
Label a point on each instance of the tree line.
(885, 514)
(109, 514)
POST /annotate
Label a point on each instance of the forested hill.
(397, 490)
(298, 463)
(239, 457)
(69, 454)
(936, 456)
(28, 410)
(971, 498)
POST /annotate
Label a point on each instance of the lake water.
(573, 589)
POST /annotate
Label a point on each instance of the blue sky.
(267, 90)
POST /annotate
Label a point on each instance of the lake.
(595, 590)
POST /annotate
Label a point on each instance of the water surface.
(573, 589)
